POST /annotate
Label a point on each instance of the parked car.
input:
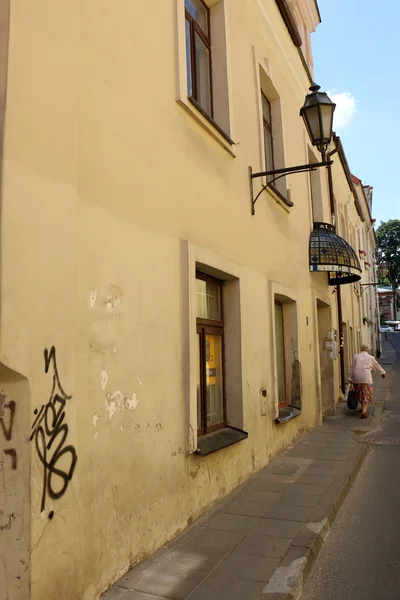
(385, 328)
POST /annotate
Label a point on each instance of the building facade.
(159, 343)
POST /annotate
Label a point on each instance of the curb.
(287, 582)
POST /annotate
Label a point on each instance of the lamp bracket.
(364, 286)
(277, 174)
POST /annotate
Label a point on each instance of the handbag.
(352, 401)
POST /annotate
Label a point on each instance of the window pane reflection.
(203, 76)
(208, 300)
(214, 380)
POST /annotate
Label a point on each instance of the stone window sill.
(217, 440)
(287, 413)
(279, 198)
(192, 107)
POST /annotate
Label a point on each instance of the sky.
(357, 61)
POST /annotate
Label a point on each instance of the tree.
(388, 252)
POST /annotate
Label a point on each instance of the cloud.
(346, 107)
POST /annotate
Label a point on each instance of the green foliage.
(382, 319)
(388, 250)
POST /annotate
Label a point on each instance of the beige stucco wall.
(105, 175)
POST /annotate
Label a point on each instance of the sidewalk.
(261, 541)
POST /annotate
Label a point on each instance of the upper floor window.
(198, 53)
(268, 139)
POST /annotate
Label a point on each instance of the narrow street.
(361, 557)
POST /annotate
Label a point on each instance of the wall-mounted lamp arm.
(278, 173)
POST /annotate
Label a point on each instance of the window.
(280, 354)
(268, 140)
(198, 53)
(287, 367)
(210, 354)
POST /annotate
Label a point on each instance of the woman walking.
(361, 377)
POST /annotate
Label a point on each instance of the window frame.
(194, 27)
(204, 327)
(267, 125)
(286, 401)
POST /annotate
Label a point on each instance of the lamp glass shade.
(317, 113)
(382, 271)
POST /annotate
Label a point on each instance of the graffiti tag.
(7, 416)
(50, 433)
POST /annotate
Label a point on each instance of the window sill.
(287, 413)
(279, 198)
(192, 107)
(217, 440)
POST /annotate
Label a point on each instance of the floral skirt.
(363, 392)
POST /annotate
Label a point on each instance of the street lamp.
(382, 271)
(317, 113)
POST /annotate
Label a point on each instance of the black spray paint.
(50, 433)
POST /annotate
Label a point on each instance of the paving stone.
(334, 456)
(315, 444)
(326, 464)
(222, 587)
(268, 485)
(195, 558)
(308, 479)
(340, 449)
(266, 498)
(114, 593)
(330, 472)
(304, 451)
(247, 566)
(298, 500)
(250, 509)
(214, 538)
(289, 513)
(308, 490)
(321, 512)
(228, 522)
(285, 469)
(264, 545)
(308, 539)
(336, 493)
(140, 596)
(296, 552)
(128, 581)
(169, 582)
(278, 528)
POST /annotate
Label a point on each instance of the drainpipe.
(341, 340)
(338, 290)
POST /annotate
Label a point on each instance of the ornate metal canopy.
(331, 254)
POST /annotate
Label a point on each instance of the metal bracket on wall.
(277, 174)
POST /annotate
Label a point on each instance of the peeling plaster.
(159, 426)
(104, 379)
(92, 298)
(113, 402)
(132, 404)
(140, 382)
(96, 420)
(3, 400)
(112, 303)
(96, 435)
(124, 569)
